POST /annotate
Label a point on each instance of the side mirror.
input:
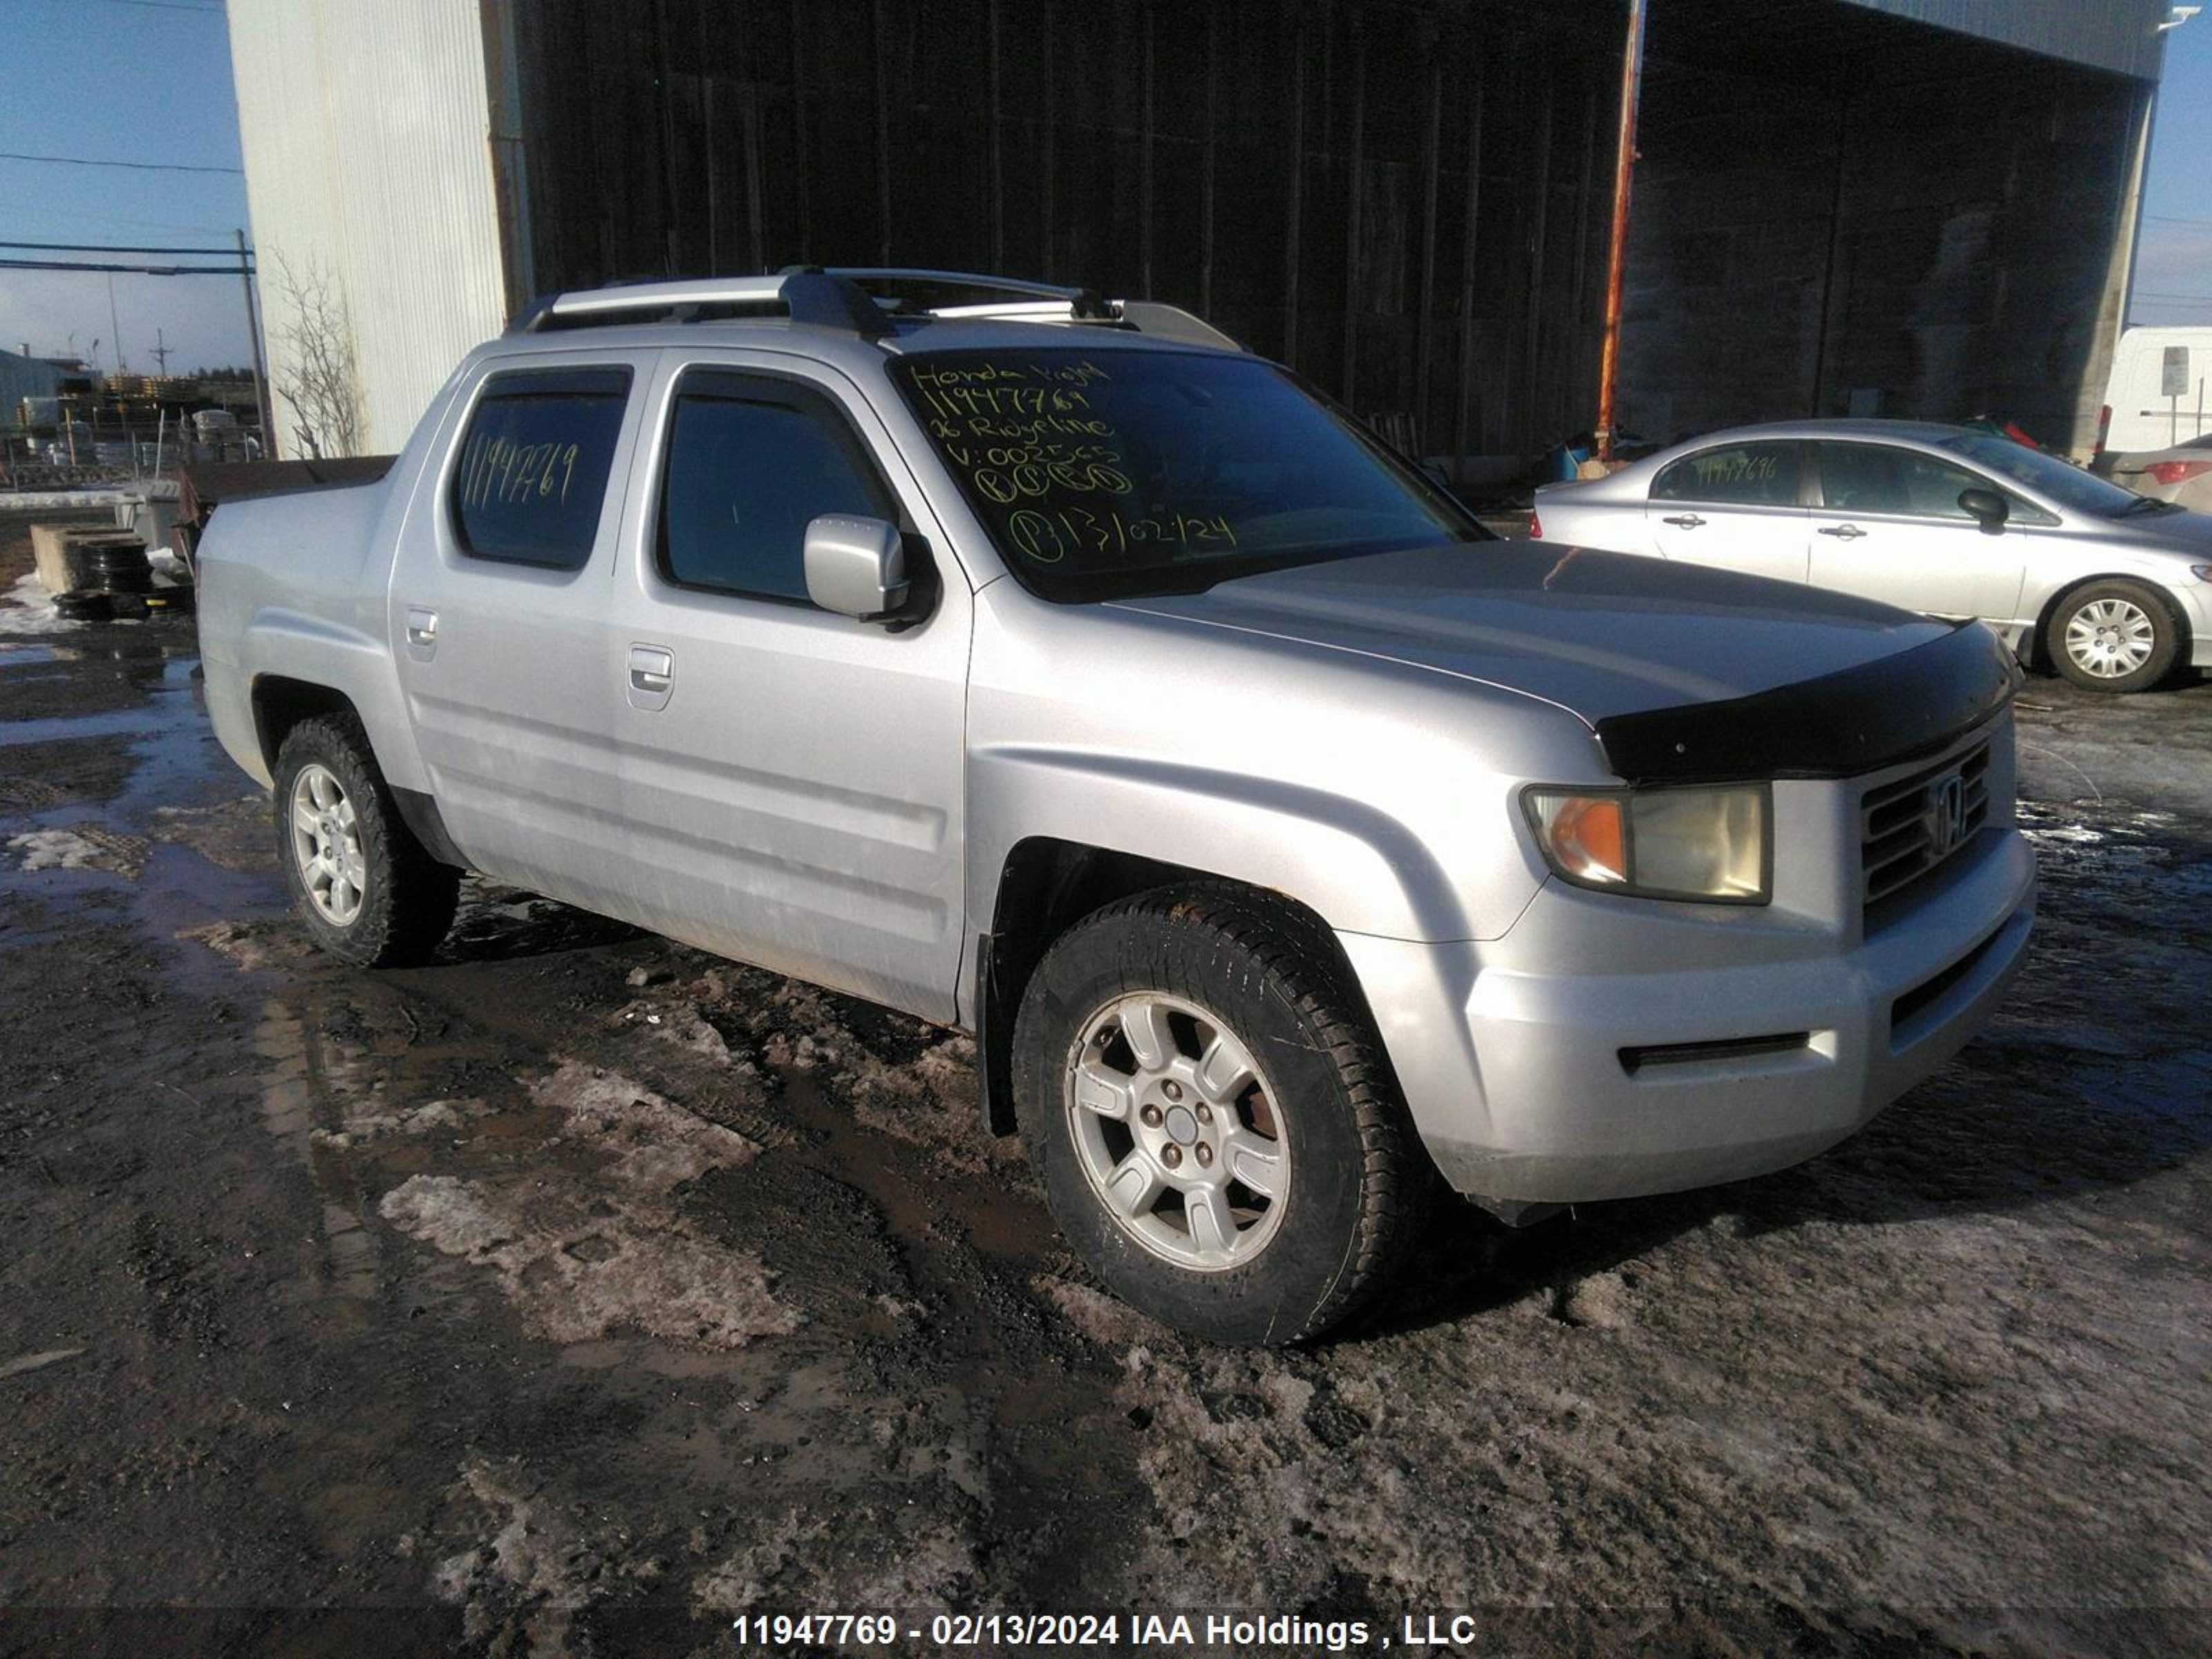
(1986, 505)
(855, 567)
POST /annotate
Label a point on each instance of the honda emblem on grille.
(1947, 815)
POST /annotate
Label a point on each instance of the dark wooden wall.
(1832, 201)
(1405, 199)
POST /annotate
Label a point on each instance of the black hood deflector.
(1880, 714)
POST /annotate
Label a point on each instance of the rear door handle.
(1685, 520)
(1850, 532)
(652, 676)
(421, 632)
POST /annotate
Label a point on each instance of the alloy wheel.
(327, 844)
(1176, 1129)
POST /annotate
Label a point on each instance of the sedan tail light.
(2174, 473)
(1535, 526)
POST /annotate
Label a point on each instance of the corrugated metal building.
(1920, 206)
(23, 377)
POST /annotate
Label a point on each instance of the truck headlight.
(1708, 845)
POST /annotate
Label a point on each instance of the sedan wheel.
(2111, 638)
(2114, 635)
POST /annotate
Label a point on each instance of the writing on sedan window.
(1735, 466)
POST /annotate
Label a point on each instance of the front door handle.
(421, 632)
(652, 676)
(1684, 521)
(1850, 532)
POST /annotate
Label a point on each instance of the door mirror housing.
(855, 567)
(1987, 505)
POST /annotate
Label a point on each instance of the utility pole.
(1624, 164)
(260, 366)
(161, 354)
(116, 325)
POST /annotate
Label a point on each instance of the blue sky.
(120, 82)
(150, 81)
(2174, 257)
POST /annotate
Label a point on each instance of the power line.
(167, 5)
(143, 271)
(134, 167)
(111, 247)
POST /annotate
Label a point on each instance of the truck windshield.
(1109, 474)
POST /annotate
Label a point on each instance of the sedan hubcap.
(326, 845)
(2111, 638)
(1176, 1130)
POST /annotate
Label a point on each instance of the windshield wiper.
(2148, 504)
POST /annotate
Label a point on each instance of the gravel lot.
(580, 1291)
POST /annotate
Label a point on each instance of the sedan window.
(1875, 478)
(1749, 475)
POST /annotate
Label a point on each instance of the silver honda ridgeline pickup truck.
(1052, 669)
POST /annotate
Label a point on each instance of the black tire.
(83, 604)
(2115, 591)
(1358, 1179)
(407, 898)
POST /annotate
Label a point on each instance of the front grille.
(1910, 827)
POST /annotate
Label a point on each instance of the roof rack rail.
(895, 284)
(806, 294)
(864, 300)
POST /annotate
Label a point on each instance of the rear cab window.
(1734, 475)
(534, 463)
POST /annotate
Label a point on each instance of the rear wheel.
(2114, 635)
(1218, 1132)
(365, 888)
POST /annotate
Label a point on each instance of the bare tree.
(319, 377)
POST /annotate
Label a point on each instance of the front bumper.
(1609, 1047)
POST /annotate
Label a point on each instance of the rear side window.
(1747, 474)
(751, 461)
(534, 466)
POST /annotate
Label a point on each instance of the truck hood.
(1601, 635)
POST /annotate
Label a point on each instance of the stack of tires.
(119, 585)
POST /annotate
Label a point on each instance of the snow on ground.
(27, 608)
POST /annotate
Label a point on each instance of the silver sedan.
(2107, 587)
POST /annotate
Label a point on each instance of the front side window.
(534, 465)
(1876, 478)
(1734, 474)
(751, 461)
(1104, 473)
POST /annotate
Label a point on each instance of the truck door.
(791, 780)
(498, 605)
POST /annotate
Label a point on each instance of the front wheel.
(362, 884)
(2115, 636)
(1218, 1132)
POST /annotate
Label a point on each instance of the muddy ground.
(580, 1292)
